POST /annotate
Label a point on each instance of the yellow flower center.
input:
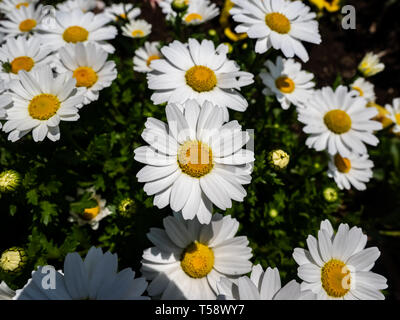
(91, 213)
(27, 25)
(85, 77)
(277, 22)
(19, 5)
(10, 260)
(338, 121)
(342, 164)
(151, 58)
(193, 16)
(75, 34)
(397, 117)
(197, 260)
(201, 78)
(335, 278)
(122, 15)
(43, 106)
(22, 63)
(195, 159)
(137, 33)
(359, 90)
(285, 84)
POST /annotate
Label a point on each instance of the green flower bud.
(330, 194)
(212, 32)
(126, 206)
(13, 260)
(230, 48)
(278, 159)
(9, 180)
(180, 5)
(273, 213)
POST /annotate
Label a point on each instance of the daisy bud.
(126, 206)
(9, 180)
(230, 48)
(273, 213)
(370, 65)
(278, 159)
(179, 5)
(13, 260)
(330, 194)
(212, 32)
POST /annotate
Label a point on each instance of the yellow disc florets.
(75, 34)
(13, 260)
(277, 22)
(43, 106)
(285, 84)
(91, 213)
(19, 5)
(22, 63)
(201, 78)
(193, 16)
(335, 278)
(197, 260)
(85, 77)
(137, 33)
(337, 121)
(27, 25)
(195, 158)
(342, 164)
(151, 58)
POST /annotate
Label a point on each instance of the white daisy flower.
(288, 82)
(89, 66)
(83, 5)
(339, 121)
(200, 12)
(5, 102)
(41, 101)
(5, 292)
(370, 65)
(364, 88)
(198, 71)
(394, 114)
(189, 258)
(261, 286)
(94, 278)
(195, 160)
(281, 24)
(338, 267)
(22, 54)
(76, 26)
(23, 21)
(125, 11)
(7, 6)
(91, 216)
(354, 170)
(145, 55)
(136, 29)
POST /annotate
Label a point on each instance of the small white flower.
(122, 10)
(189, 258)
(91, 216)
(288, 82)
(145, 55)
(89, 66)
(339, 121)
(353, 170)
(199, 12)
(394, 114)
(370, 65)
(337, 266)
(6, 6)
(281, 24)
(94, 278)
(261, 286)
(136, 29)
(364, 88)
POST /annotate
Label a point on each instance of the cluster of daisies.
(199, 158)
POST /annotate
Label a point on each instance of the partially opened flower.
(199, 12)
(194, 161)
(89, 66)
(125, 11)
(281, 24)
(40, 101)
(364, 88)
(353, 170)
(76, 26)
(370, 65)
(136, 29)
(198, 71)
(288, 82)
(339, 122)
(394, 114)
(145, 55)
(189, 258)
(94, 278)
(262, 285)
(6, 6)
(337, 266)
(23, 54)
